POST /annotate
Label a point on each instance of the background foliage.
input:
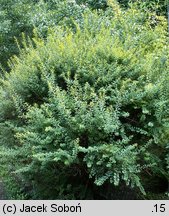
(17, 16)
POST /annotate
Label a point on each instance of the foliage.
(87, 106)
(20, 16)
(17, 16)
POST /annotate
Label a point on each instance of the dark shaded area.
(156, 184)
(2, 191)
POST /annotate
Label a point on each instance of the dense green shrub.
(17, 16)
(88, 107)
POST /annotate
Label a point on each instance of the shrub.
(88, 106)
(18, 16)
(22, 16)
